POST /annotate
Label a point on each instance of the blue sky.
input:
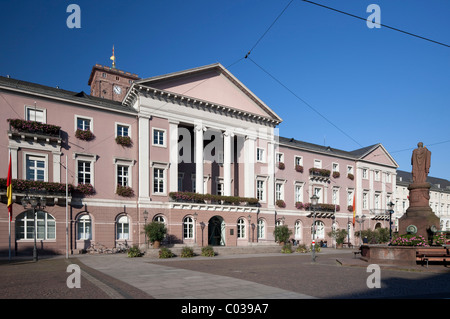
(375, 85)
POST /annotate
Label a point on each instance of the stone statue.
(420, 162)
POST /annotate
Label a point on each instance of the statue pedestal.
(419, 212)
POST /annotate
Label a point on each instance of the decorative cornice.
(134, 91)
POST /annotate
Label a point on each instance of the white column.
(227, 162)
(144, 157)
(271, 174)
(249, 166)
(173, 171)
(199, 129)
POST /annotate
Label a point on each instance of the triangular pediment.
(376, 154)
(214, 84)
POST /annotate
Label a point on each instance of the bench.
(349, 245)
(432, 254)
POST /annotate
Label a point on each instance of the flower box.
(319, 172)
(281, 165)
(85, 189)
(202, 198)
(350, 176)
(124, 191)
(299, 168)
(299, 205)
(280, 203)
(34, 127)
(336, 174)
(85, 135)
(26, 186)
(124, 141)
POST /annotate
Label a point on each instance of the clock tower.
(109, 82)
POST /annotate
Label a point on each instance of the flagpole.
(9, 208)
(67, 227)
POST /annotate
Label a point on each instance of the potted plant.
(282, 234)
(156, 232)
(339, 235)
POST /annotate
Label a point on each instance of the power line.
(306, 103)
(381, 24)
(267, 30)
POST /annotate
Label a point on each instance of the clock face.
(117, 89)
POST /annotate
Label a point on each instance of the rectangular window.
(260, 190)
(365, 203)
(35, 168)
(335, 167)
(298, 193)
(158, 137)
(279, 191)
(377, 175)
(158, 180)
(220, 188)
(122, 130)
(317, 163)
(83, 124)
(298, 160)
(279, 158)
(365, 174)
(259, 155)
(84, 172)
(122, 175)
(33, 114)
(318, 193)
(350, 198)
(335, 196)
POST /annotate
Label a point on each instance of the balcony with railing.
(210, 202)
(34, 131)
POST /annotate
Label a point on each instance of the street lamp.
(314, 201)
(360, 220)
(202, 226)
(249, 217)
(39, 203)
(391, 211)
(145, 213)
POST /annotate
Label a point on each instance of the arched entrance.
(216, 231)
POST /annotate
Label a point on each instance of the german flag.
(9, 190)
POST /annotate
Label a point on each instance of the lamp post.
(249, 217)
(314, 200)
(360, 220)
(145, 213)
(202, 226)
(34, 202)
(391, 211)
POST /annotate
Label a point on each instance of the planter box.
(394, 255)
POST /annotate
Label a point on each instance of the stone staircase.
(219, 250)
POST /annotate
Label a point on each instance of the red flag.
(9, 189)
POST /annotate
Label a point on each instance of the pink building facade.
(198, 131)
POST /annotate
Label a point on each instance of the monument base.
(422, 218)
(419, 214)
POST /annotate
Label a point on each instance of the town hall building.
(194, 149)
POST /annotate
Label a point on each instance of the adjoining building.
(195, 149)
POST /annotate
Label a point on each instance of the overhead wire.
(302, 100)
(374, 22)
